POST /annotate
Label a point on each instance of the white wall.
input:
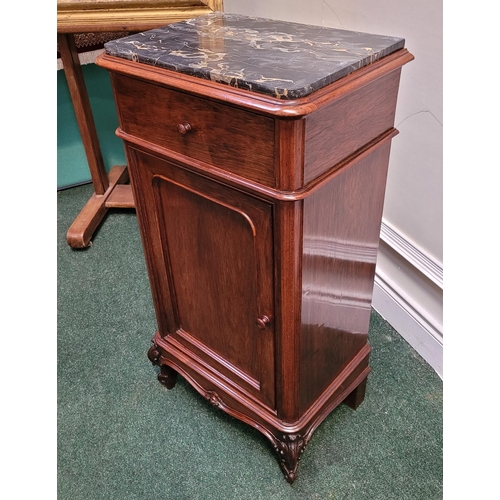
(408, 286)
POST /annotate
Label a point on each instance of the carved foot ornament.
(290, 449)
(167, 375)
(154, 354)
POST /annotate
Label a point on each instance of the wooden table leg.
(110, 191)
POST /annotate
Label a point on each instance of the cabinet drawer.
(225, 137)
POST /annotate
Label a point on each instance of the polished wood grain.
(349, 123)
(290, 154)
(288, 439)
(218, 244)
(340, 241)
(248, 185)
(261, 251)
(288, 237)
(233, 139)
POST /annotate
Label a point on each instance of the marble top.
(281, 59)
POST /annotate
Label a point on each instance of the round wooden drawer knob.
(183, 128)
(262, 322)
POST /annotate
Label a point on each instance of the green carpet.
(122, 435)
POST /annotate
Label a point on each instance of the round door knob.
(183, 128)
(262, 322)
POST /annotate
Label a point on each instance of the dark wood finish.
(262, 257)
(338, 269)
(260, 102)
(198, 128)
(219, 244)
(167, 375)
(356, 397)
(288, 241)
(290, 153)
(238, 181)
(349, 123)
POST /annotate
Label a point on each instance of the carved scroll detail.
(214, 399)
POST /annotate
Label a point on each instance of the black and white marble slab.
(281, 59)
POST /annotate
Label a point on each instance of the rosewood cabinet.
(259, 207)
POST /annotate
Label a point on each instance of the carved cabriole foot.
(167, 375)
(289, 439)
(290, 448)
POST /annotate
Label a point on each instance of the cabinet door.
(218, 247)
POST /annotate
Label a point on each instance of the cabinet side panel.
(341, 236)
(341, 128)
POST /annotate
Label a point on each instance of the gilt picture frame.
(83, 16)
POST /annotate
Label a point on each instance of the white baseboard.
(420, 330)
(419, 259)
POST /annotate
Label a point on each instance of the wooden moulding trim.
(212, 199)
(236, 181)
(289, 157)
(252, 100)
(222, 361)
(191, 360)
(183, 361)
(215, 399)
(287, 220)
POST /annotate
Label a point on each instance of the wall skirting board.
(412, 304)
(407, 249)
